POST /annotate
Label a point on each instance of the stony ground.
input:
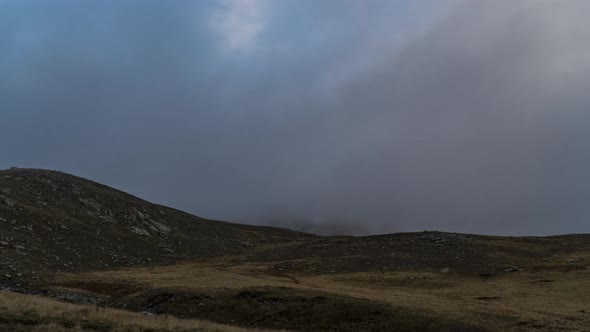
(53, 222)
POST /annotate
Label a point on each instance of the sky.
(329, 116)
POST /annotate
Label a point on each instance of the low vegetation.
(550, 297)
(95, 247)
(21, 312)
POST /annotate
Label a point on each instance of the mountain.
(79, 241)
(52, 221)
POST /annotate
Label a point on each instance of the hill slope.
(52, 221)
(79, 241)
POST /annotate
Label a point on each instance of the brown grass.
(48, 312)
(544, 300)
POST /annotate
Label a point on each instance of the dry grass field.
(548, 297)
(21, 312)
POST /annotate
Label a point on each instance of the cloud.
(240, 23)
(379, 116)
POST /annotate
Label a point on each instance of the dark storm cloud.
(325, 116)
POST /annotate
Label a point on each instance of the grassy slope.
(128, 252)
(550, 296)
(25, 313)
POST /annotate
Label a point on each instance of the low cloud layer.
(329, 116)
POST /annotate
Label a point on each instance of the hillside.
(52, 221)
(79, 241)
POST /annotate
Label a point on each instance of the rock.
(19, 275)
(139, 231)
(571, 261)
(3, 243)
(201, 304)
(445, 270)
(513, 269)
(7, 201)
(19, 247)
(8, 276)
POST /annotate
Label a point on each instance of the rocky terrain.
(466, 254)
(53, 222)
(78, 241)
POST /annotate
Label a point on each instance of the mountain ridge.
(54, 221)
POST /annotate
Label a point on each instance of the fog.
(332, 116)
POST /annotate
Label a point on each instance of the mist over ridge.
(330, 116)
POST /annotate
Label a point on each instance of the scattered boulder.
(445, 270)
(513, 269)
(7, 201)
(139, 231)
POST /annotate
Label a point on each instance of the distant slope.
(51, 221)
(467, 254)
